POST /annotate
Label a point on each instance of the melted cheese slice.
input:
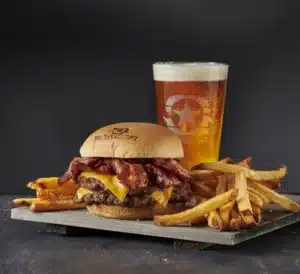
(162, 197)
(111, 182)
(81, 192)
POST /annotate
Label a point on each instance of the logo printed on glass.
(186, 113)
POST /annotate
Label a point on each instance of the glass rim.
(191, 63)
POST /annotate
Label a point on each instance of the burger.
(130, 171)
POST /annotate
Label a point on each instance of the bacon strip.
(77, 166)
(104, 168)
(139, 175)
(161, 178)
(134, 174)
(131, 175)
(172, 166)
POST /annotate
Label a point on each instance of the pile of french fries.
(231, 196)
(50, 196)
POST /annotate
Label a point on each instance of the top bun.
(132, 140)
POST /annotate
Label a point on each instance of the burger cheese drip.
(111, 182)
(162, 197)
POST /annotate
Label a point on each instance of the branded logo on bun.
(117, 133)
(118, 130)
(130, 171)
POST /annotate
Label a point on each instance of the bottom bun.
(138, 213)
(123, 213)
(170, 209)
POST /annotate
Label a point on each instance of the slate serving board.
(274, 218)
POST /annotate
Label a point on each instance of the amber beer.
(190, 100)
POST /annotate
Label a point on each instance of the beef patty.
(139, 198)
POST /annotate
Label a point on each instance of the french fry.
(208, 177)
(196, 198)
(256, 200)
(219, 167)
(230, 181)
(214, 220)
(264, 198)
(243, 201)
(48, 194)
(248, 219)
(203, 190)
(276, 197)
(204, 176)
(246, 211)
(271, 184)
(197, 211)
(48, 188)
(44, 205)
(59, 193)
(236, 221)
(226, 160)
(246, 162)
(49, 183)
(272, 175)
(210, 183)
(256, 213)
(199, 221)
(224, 213)
(256, 175)
(222, 184)
(275, 184)
(24, 201)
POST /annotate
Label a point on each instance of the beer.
(190, 100)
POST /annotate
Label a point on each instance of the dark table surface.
(25, 248)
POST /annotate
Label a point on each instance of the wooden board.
(274, 218)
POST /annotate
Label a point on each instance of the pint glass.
(190, 100)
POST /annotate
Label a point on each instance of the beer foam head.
(186, 72)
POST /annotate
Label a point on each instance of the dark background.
(68, 67)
